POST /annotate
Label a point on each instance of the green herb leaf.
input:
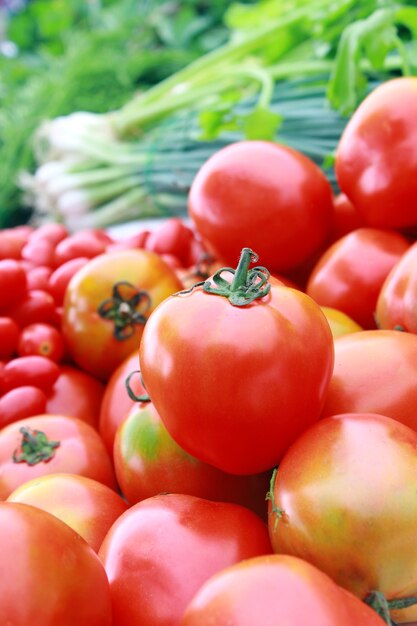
(261, 123)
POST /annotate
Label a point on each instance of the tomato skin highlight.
(162, 549)
(48, 574)
(257, 590)
(347, 496)
(246, 192)
(226, 379)
(376, 158)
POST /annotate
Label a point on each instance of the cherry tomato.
(340, 323)
(344, 499)
(172, 237)
(350, 274)
(85, 243)
(345, 217)
(52, 232)
(20, 403)
(257, 590)
(37, 371)
(59, 279)
(41, 340)
(40, 252)
(76, 394)
(237, 377)
(38, 306)
(397, 299)
(13, 283)
(48, 574)
(147, 461)
(51, 444)
(9, 337)
(376, 159)
(265, 196)
(116, 402)
(87, 506)
(107, 304)
(375, 371)
(161, 550)
(38, 278)
(11, 244)
(137, 240)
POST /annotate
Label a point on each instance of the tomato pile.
(215, 421)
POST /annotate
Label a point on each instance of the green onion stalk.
(270, 82)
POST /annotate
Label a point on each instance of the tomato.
(38, 278)
(137, 240)
(59, 279)
(397, 299)
(51, 444)
(116, 402)
(38, 306)
(37, 371)
(107, 304)
(13, 283)
(52, 232)
(265, 196)
(48, 574)
(11, 244)
(375, 371)
(340, 323)
(147, 461)
(85, 243)
(39, 251)
(87, 506)
(9, 337)
(162, 549)
(76, 394)
(20, 403)
(350, 274)
(236, 381)
(171, 237)
(344, 499)
(345, 217)
(41, 340)
(376, 159)
(260, 589)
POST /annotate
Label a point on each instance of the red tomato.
(236, 381)
(38, 278)
(107, 304)
(59, 279)
(37, 371)
(9, 337)
(39, 252)
(51, 444)
(265, 196)
(116, 402)
(375, 371)
(137, 240)
(163, 549)
(48, 574)
(85, 243)
(147, 461)
(376, 160)
(13, 283)
(41, 340)
(20, 403)
(344, 499)
(11, 244)
(52, 232)
(349, 275)
(172, 237)
(87, 506)
(260, 589)
(76, 394)
(37, 307)
(396, 305)
(345, 217)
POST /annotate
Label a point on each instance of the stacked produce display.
(210, 418)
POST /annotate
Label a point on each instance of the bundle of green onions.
(139, 161)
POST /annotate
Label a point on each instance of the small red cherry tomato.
(9, 337)
(37, 371)
(345, 217)
(13, 284)
(38, 306)
(20, 403)
(38, 278)
(171, 237)
(52, 232)
(59, 279)
(137, 240)
(85, 243)
(11, 244)
(39, 252)
(41, 340)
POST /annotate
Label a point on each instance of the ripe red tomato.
(51, 444)
(236, 381)
(39, 251)
(37, 371)
(376, 159)
(9, 337)
(60, 278)
(13, 284)
(116, 402)
(38, 278)
(38, 306)
(345, 217)
(147, 461)
(107, 303)
(260, 589)
(48, 574)
(350, 274)
(52, 232)
(265, 196)
(171, 237)
(344, 499)
(87, 506)
(375, 371)
(20, 403)
(85, 243)
(41, 340)
(396, 304)
(76, 394)
(162, 549)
